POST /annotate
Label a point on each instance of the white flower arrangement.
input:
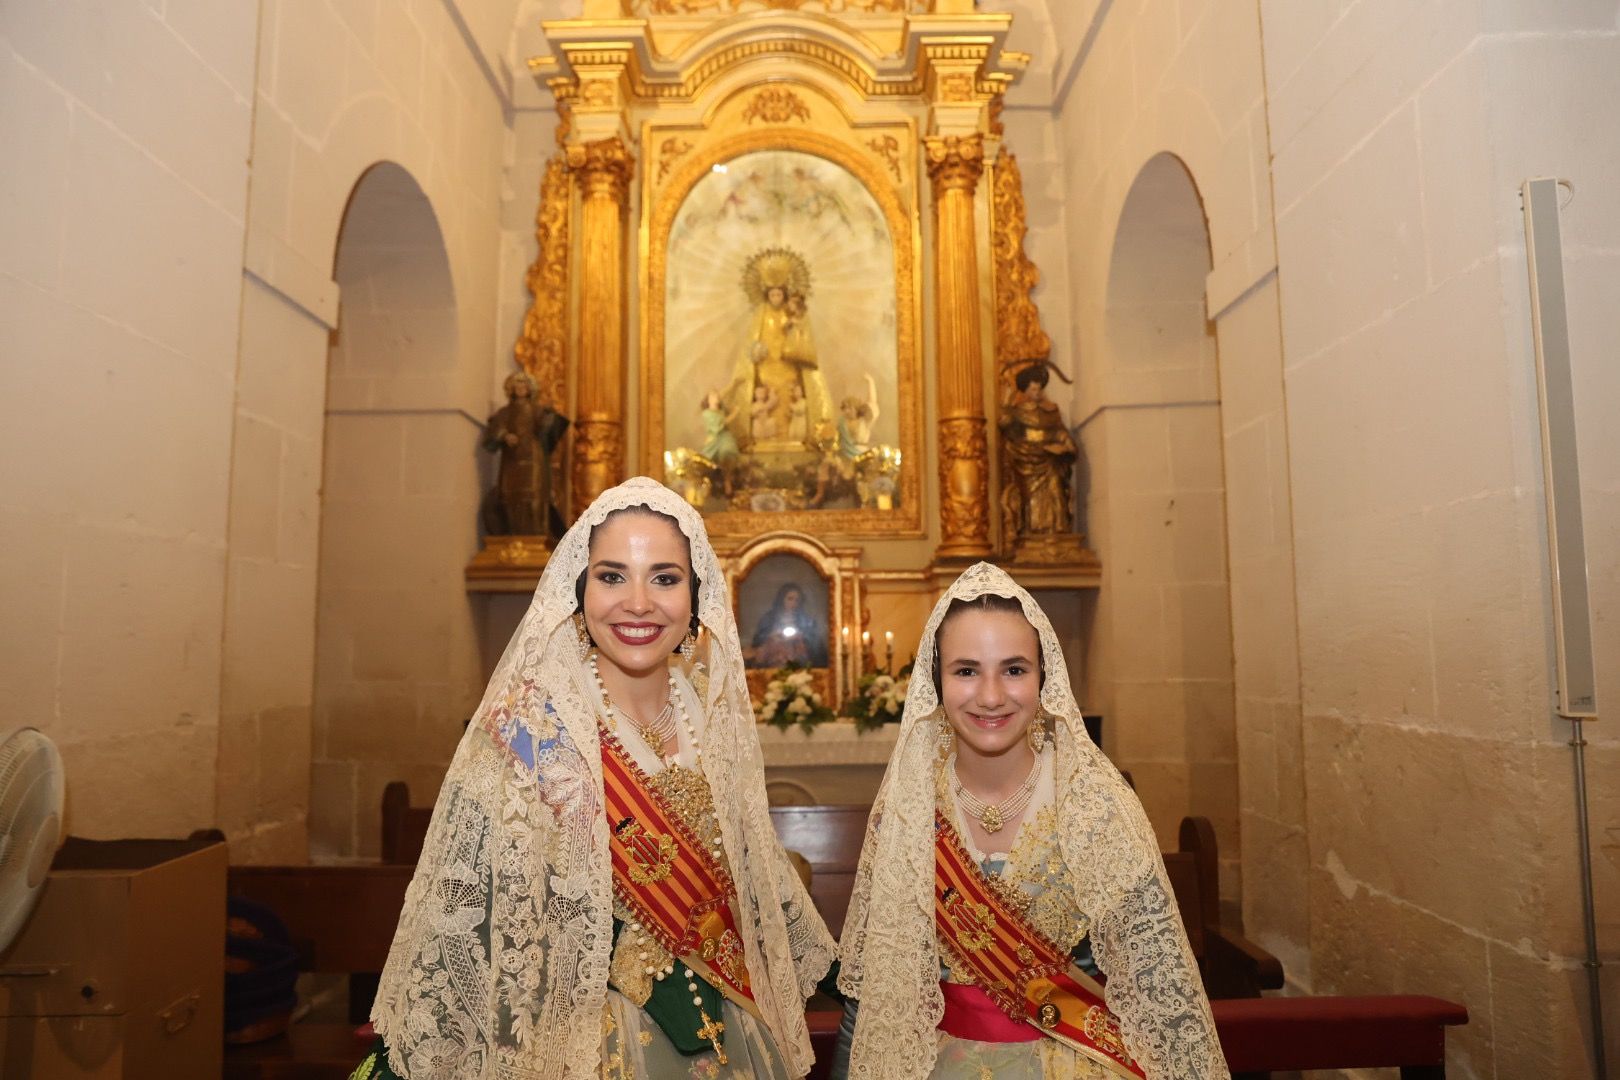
(880, 698)
(791, 698)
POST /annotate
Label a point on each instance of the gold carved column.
(604, 168)
(955, 163)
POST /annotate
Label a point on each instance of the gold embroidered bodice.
(687, 793)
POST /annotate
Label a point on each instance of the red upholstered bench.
(1261, 1035)
(822, 1016)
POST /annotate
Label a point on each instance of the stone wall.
(171, 316)
(1169, 439)
(343, 85)
(122, 208)
(1439, 793)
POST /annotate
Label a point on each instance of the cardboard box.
(120, 971)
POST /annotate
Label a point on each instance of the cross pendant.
(712, 1030)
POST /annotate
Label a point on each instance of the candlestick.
(888, 651)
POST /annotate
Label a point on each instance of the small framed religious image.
(783, 614)
(797, 602)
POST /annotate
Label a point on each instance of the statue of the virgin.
(779, 353)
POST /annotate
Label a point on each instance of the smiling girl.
(1011, 916)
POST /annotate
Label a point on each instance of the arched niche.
(395, 651)
(1164, 650)
(1155, 314)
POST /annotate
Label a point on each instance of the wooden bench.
(1408, 1032)
(341, 919)
(1231, 964)
(404, 827)
(830, 838)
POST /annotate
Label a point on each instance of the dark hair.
(1033, 373)
(644, 511)
(984, 602)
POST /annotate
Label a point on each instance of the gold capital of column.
(604, 168)
(955, 162)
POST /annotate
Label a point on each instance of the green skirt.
(375, 1065)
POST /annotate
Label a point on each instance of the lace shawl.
(891, 960)
(499, 966)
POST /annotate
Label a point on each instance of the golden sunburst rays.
(819, 212)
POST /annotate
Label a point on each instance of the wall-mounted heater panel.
(1572, 616)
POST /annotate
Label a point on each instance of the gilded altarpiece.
(764, 236)
(735, 235)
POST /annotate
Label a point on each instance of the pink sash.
(970, 1014)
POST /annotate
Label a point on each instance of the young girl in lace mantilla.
(1011, 916)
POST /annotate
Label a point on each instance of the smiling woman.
(638, 600)
(607, 797)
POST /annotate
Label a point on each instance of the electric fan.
(30, 824)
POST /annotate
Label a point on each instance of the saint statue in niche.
(524, 432)
(1038, 455)
(777, 376)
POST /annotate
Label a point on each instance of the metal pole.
(1594, 966)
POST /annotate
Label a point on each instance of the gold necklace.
(660, 729)
(992, 816)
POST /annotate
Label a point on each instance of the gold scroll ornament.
(694, 7)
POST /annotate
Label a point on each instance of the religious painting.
(782, 372)
(783, 614)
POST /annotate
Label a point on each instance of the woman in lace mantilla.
(992, 743)
(518, 954)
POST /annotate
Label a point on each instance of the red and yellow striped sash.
(661, 871)
(1028, 976)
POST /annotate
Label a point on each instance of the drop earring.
(1037, 733)
(580, 632)
(944, 737)
(688, 647)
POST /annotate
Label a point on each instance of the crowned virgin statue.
(777, 368)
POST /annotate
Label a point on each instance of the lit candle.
(888, 651)
(845, 684)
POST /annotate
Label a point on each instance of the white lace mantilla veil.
(499, 967)
(891, 961)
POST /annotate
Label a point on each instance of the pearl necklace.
(992, 816)
(644, 941)
(660, 729)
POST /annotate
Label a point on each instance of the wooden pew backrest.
(830, 839)
(341, 918)
(404, 827)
